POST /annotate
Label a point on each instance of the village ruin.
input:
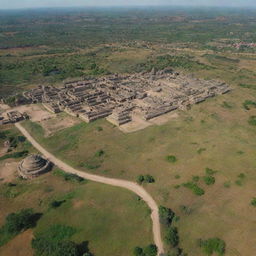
(121, 98)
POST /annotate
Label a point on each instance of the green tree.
(150, 250)
(172, 236)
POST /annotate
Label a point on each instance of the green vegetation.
(226, 105)
(200, 150)
(253, 202)
(194, 187)
(252, 120)
(145, 178)
(54, 241)
(150, 250)
(209, 171)
(166, 215)
(171, 159)
(209, 180)
(249, 103)
(14, 155)
(16, 223)
(68, 176)
(213, 245)
(172, 237)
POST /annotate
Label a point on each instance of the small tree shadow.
(83, 249)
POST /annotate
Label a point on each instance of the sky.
(16, 4)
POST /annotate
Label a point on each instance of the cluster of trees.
(150, 250)
(16, 223)
(167, 217)
(213, 245)
(145, 178)
(56, 241)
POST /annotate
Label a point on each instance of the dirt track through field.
(140, 191)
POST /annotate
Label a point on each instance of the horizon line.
(129, 6)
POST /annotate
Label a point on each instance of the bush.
(166, 215)
(249, 103)
(252, 120)
(209, 171)
(149, 179)
(253, 202)
(195, 178)
(150, 250)
(140, 179)
(194, 187)
(69, 176)
(16, 223)
(55, 241)
(56, 204)
(213, 245)
(172, 236)
(99, 153)
(171, 159)
(15, 155)
(138, 251)
(209, 180)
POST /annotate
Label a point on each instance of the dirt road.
(114, 182)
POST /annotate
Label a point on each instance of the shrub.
(150, 250)
(209, 180)
(194, 187)
(177, 176)
(15, 155)
(238, 182)
(99, 129)
(138, 251)
(253, 202)
(200, 150)
(54, 241)
(16, 223)
(252, 120)
(56, 204)
(171, 159)
(99, 153)
(249, 103)
(149, 179)
(213, 245)
(209, 171)
(140, 179)
(227, 184)
(241, 176)
(68, 176)
(172, 236)
(195, 178)
(166, 215)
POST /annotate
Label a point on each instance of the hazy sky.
(6, 4)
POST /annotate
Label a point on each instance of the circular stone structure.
(32, 166)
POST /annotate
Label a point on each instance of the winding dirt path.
(140, 191)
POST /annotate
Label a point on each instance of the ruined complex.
(122, 97)
(33, 166)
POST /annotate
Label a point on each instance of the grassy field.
(215, 134)
(111, 224)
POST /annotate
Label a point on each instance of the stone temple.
(33, 166)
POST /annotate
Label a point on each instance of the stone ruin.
(33, 166)
(121, 97)
(13, 117)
